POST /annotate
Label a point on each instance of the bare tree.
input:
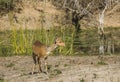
(110, 43)
(88, 9)
(78, 10)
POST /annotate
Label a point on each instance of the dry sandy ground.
(62, 69)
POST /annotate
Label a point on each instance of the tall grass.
(20, 40)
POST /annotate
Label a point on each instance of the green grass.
(19, 42)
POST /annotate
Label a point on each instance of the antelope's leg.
(46, 69)
(33, 68)
(39, 63)
(35, 62)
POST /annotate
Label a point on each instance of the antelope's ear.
(58, 38)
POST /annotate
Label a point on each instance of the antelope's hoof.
(33, 73)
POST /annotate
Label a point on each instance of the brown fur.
(40, 51)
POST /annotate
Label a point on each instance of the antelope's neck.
(51, 48)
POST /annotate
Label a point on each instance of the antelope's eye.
(60, 42)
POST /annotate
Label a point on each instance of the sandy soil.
(62, 69)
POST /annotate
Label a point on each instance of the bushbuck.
(42, 51)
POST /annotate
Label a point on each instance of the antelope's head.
(59, 42)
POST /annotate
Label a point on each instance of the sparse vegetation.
(57, 71)
(61, 81)
(7, 6)
(49, 67)
(10, 65)
(94, 75)
(1, 79)
(102, 63)
(65, 65)
(82, 80)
